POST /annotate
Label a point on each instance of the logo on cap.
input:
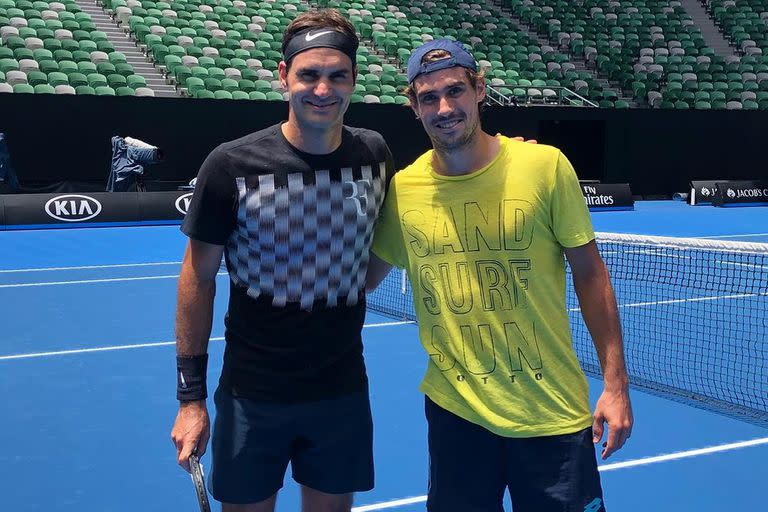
(459, 56)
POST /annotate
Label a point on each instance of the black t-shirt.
(297, 229)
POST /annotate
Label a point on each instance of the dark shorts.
(470, 468)
(329, 444)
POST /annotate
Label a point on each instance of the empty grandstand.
(591, 53)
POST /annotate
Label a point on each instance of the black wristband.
(191, 373)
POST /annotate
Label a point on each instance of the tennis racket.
(198, 478)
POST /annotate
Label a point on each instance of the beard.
(462, 141)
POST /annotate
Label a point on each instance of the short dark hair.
(324, 18)
(435, 55)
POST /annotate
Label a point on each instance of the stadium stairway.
(577, 61)
(133, 55)
(709, 31)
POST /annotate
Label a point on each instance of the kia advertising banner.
(27, 211)
(159, 206)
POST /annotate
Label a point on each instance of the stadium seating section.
(610, 53)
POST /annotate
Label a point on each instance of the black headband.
(321, 38)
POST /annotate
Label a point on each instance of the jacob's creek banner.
(25, 211)
(607, 196)
(741, 193)
(703, 192)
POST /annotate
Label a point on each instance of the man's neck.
(311, 140)
(481, 151)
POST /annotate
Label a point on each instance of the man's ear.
(480, 89)
(282, 73)
(414, 104)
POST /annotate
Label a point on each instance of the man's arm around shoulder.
(377, 271)
(194, 316)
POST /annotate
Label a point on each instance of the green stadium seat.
(104, 91)
(203, 94)
(97, 80)
(44, 89)
(85, 90)
(116, 81)
(23, 89)
(136, 81)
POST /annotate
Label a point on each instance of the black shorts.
(329, 444)
(470, 467)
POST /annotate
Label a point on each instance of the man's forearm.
(377, 271)
(194, 313)
(600, 313)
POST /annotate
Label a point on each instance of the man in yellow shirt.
(481, 224)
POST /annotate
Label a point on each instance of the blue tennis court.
(88, 382)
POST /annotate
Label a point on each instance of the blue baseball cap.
(460, 56)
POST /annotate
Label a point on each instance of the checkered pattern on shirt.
(306, 240)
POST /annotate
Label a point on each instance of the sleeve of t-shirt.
(212, 212)
(388, 243)
(570, 216)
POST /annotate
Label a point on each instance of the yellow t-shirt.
(484, 253)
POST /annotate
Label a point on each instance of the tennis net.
(694, 315)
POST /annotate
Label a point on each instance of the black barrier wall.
(89, 209)
(63, 142)
(23, 211)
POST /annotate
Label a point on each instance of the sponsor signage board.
(79, 209)
(741, 193)
(171, 206)
(607, 196)
(702, 192)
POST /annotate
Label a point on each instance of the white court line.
(95, 349)
(88, 267)
(387, 324)
(676, 256)
(733, 263)
(683, 455)
(679, 301)
(733, 236)
(605, 467)
(390, 504)
(696, 299)
(89, 281)
(141, 345)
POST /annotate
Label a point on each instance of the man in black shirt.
(291, 208)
